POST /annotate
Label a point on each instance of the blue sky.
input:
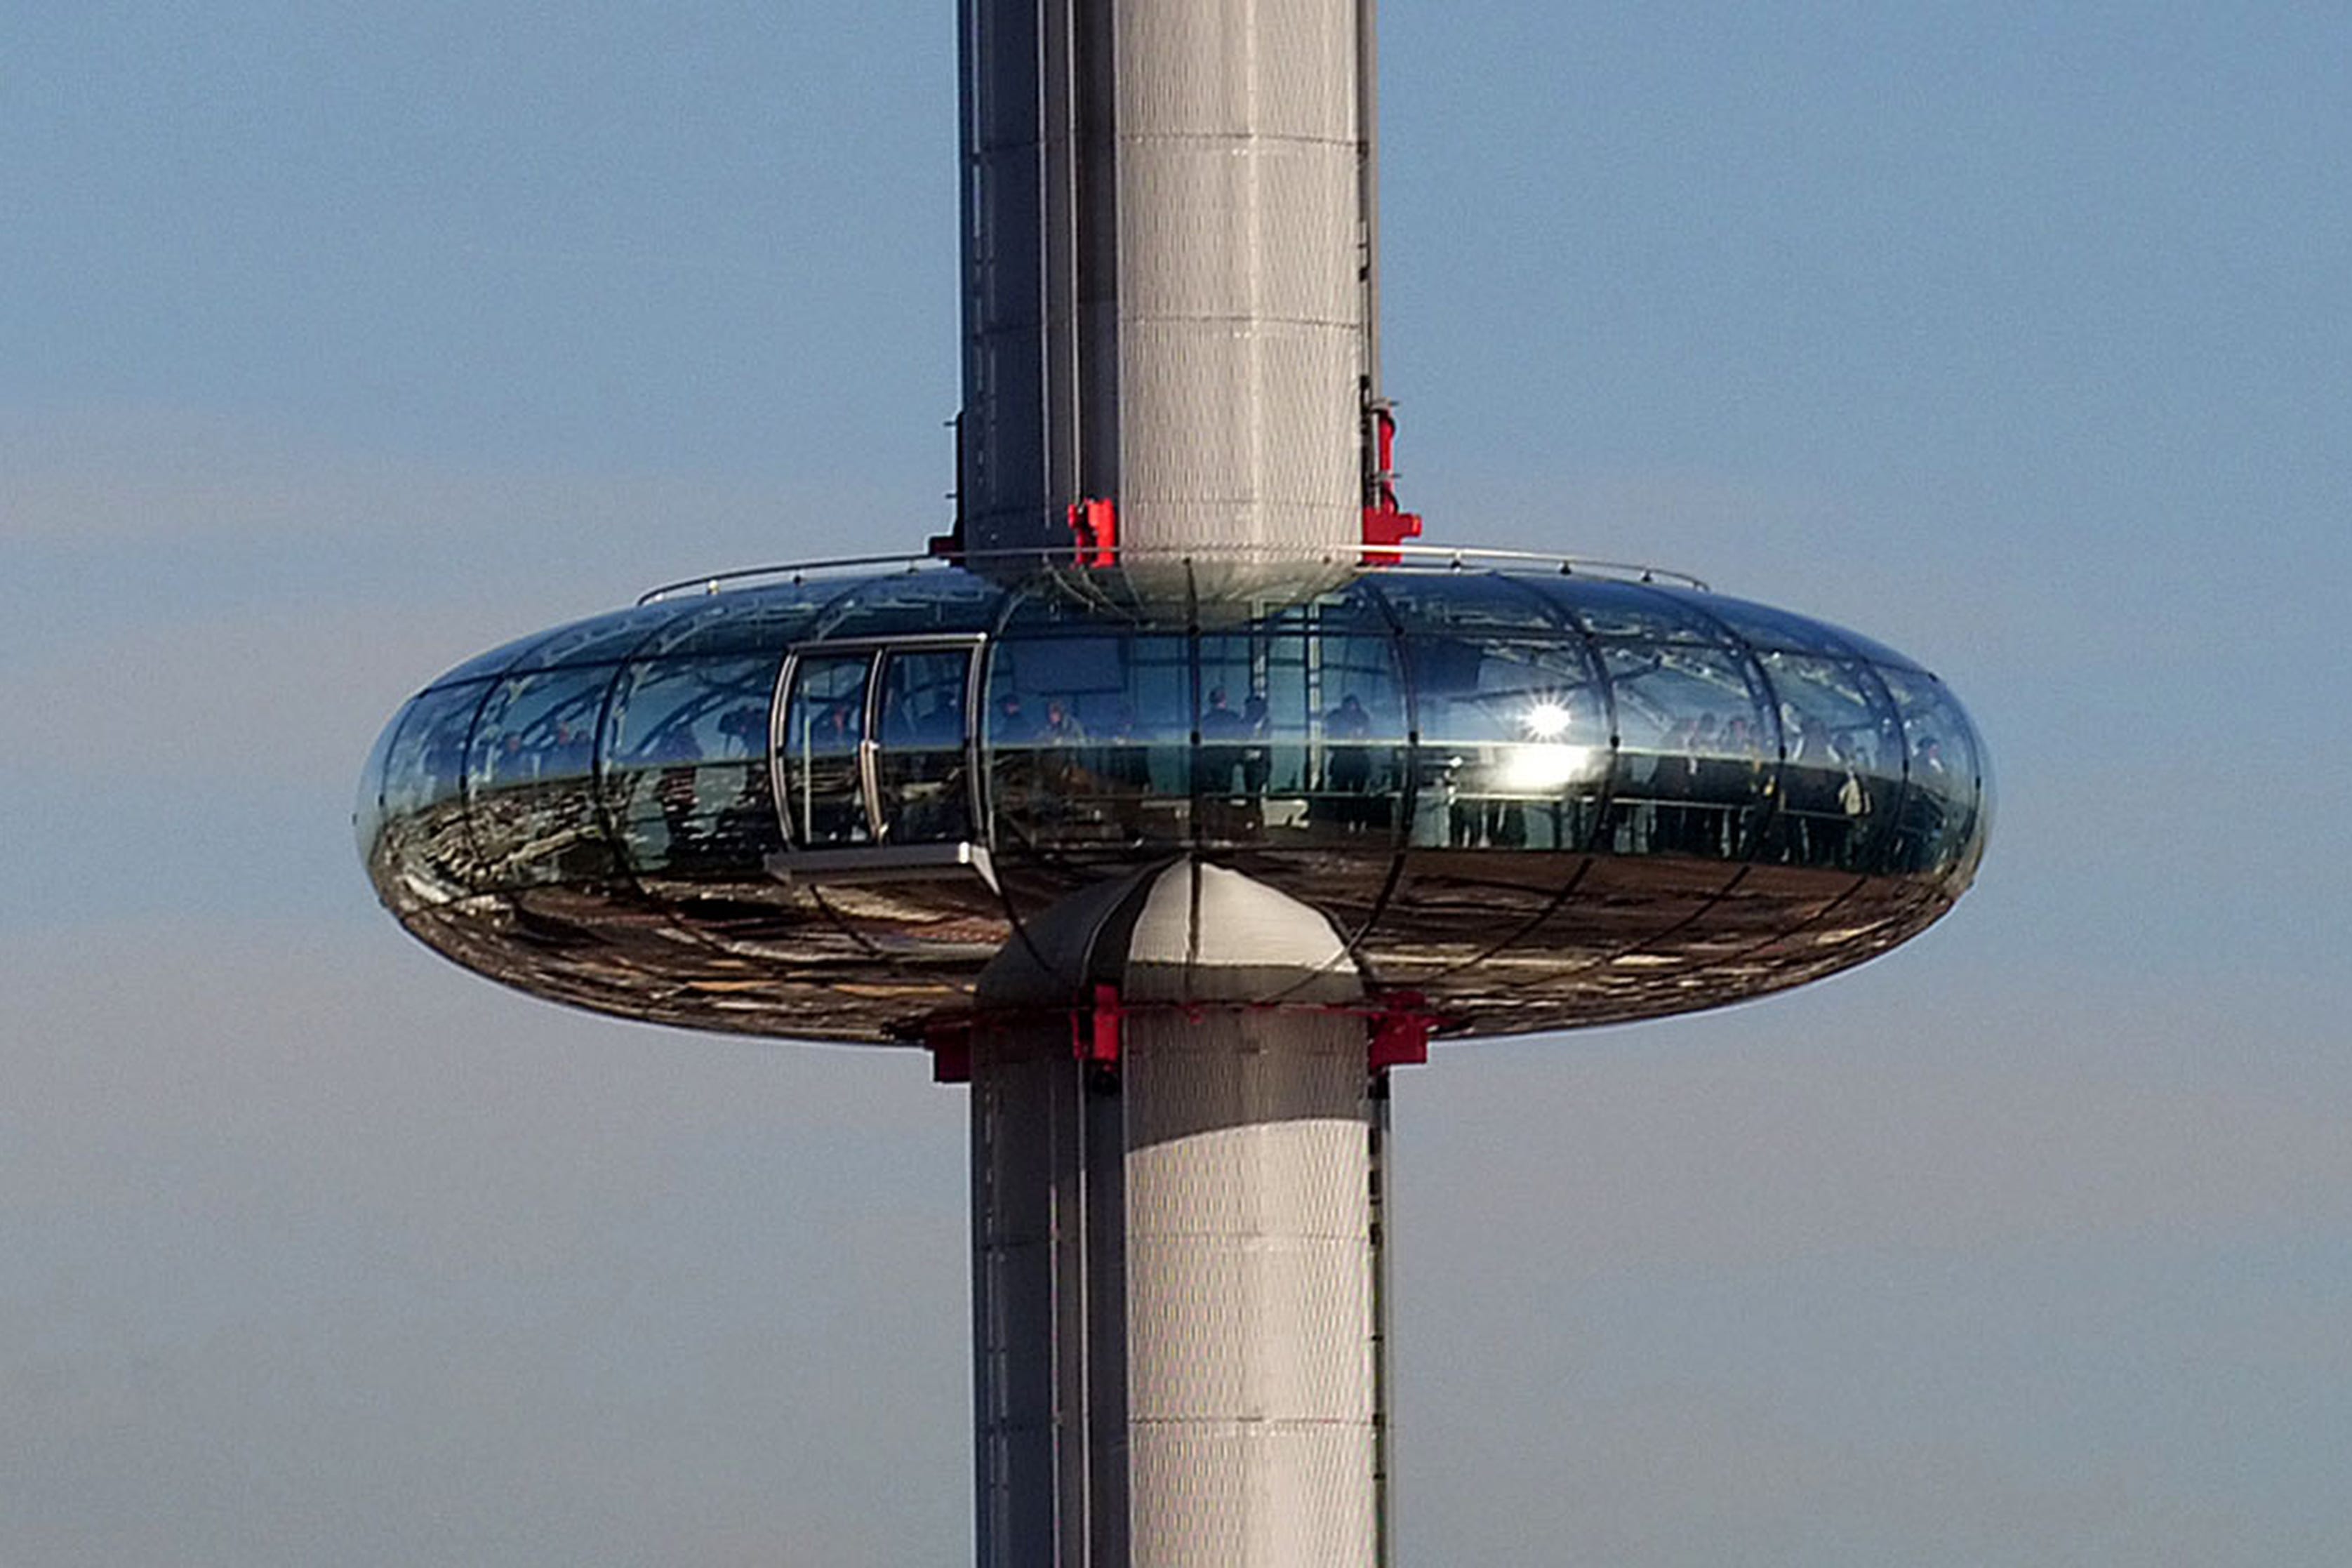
(337, 344)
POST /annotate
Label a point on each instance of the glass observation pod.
(815, 805)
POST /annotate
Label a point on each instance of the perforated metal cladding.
(1278, 67)
(1249, 1289)
(1225, 1080)
(1174, 1272)
(1240, 346)
(1230, 228)
(1232, 1327)
(1304, 1178)
(1247, 411)
(1200, 362)
(1270, 1495)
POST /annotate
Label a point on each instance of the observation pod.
(1525, 797)
(1179, 797)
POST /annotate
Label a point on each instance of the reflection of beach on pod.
(809, 807)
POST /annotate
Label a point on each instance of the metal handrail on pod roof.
(1411, 557)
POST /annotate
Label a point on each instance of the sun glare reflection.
(1542, 769)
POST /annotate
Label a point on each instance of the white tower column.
(1168, 270)
(1175, 1257)
(1249, 1292)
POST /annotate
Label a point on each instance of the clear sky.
(340, 342)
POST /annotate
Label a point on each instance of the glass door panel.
(923, 788)
(822, 747)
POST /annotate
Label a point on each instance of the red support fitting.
(1384, 528)
(1095, 1036)
(1386, 524)
(1093, 525)
(1401, 1031)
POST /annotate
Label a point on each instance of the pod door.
(821, 749)
(922, 777)
(873, 756)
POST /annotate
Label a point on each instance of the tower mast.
(1170, 365)
(1168, 280)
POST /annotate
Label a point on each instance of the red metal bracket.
(1386, 524)
(1094, 525)
(1401, 1031)
(1095, 1036)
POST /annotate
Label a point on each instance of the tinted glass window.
(537, 727)
(1940, 805)
(1302, 721)
(1093, 602)
(367, 811)
(1696, 750)
(686, 763)
(1513, 743)
(1089, 738)
(531, 778)
(1234, 768)
(1843, 768)
(496, 662)
(424, 786)
(1346, 755)
(426, 763)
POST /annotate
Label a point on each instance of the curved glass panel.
(1695, 749)
(765, 619)
(604, 640)
(426, 835)
(1513, 743)
(1088, 601)
(1843, 771)
(912, 604)
(823, 749)
(921, 789)
(531, 779)
(367, 810)
(1303, 722)
(685, 764)
(1475, 602)
(1351, 759)
(1609, 609)
(1879, 654)
(1087, 740)
(496, 662)
(1234, 767)
(1940, 816)
(1762, 626)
